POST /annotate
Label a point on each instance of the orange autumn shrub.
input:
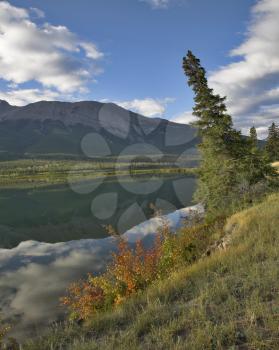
(133, 269)
(84, 298)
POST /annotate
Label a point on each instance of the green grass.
(34, 173)
(228, 300)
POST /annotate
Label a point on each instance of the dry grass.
(275, 165)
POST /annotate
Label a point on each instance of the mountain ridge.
(8, 111)
(52, 128)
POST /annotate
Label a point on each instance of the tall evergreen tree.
(257, 164)
(217, 175)
(272, 144)
(226, 156)
(253, 138)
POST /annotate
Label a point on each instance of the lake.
(53, 235)
(61, 213)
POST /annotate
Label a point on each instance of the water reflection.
(57, 213)
(34, 275)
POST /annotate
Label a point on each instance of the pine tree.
(253, 138)
(225, 172)
(257, 164)
(217, 176)
(272, 144)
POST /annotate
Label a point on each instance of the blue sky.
(130, 52)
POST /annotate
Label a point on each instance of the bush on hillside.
(133, 269)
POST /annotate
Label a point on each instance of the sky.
(130, 52)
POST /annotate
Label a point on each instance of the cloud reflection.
(34, 275)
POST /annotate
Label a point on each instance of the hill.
(227, 300)
(56, 129)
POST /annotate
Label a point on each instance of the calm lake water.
(51, 236)
(59, 213)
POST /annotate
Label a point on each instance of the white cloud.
(148, 107)
(184, 118)
(157, 4)
(21, 97)
(252, 82)
(49, 55)
(39, 13)
(91, 51)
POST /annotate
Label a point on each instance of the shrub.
(133, 269)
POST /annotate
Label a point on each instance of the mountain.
(56, 129)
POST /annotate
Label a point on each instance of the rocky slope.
(56, 129)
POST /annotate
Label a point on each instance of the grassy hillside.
(227, 300)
